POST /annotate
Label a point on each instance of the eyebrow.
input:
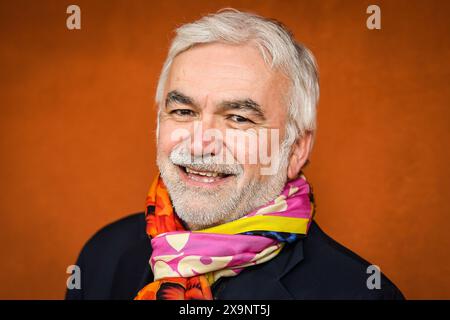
(175, 96)
(248, 104)
(244, 105)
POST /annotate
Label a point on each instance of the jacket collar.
(269, 278)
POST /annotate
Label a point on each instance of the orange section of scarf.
(160, 220)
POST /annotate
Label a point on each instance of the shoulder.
(117, 234)
(332, 271)
(101, 254)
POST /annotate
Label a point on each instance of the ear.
(300, 151)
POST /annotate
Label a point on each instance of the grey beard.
(200, 208)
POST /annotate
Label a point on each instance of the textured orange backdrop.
(77, 128)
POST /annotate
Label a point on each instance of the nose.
(207, 138)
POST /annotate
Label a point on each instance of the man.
(231, 214)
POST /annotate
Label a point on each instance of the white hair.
(278, 48)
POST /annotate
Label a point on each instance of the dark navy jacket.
(114, 265)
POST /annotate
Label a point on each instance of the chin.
(199, 218)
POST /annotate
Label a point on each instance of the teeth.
(208, 174)
(202, 179)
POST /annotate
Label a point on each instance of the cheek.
(170, 135)
(251, 171)
(264, 152)
(164, 146)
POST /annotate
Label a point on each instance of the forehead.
(219, 71)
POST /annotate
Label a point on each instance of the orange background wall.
(77, 128)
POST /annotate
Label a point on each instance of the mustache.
(213, 163)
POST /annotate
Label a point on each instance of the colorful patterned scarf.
(186, 263)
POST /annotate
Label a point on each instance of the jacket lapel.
(264, 281)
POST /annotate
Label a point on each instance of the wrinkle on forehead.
(229, 70)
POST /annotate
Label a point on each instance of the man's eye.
(183, 112)
(239, 119)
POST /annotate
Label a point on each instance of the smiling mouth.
(202, 177)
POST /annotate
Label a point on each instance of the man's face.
(215, 91)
